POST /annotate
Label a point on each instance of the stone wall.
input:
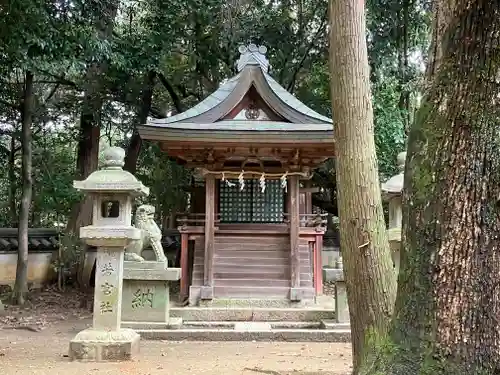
(39, 268)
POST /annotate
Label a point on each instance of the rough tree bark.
(135, 144)
(370, 277)
(21, 284)
(143, 109)
(447, 314)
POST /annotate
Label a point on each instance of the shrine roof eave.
(217, 105)
(200, 134)
(244, 125)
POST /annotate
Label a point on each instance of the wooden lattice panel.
(251, 205)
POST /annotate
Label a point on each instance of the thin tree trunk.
(13, 181)
(135, 144)
(144, 108)
(21, 285)
(370, 277)
(87, 158)
(447, 314)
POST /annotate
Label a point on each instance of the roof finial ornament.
(113, 158)
(253, 55)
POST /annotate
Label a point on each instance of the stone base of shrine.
(298, 297)
(93, 345)
(253, 331)
(171, 323)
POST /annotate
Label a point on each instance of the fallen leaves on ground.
(45, 307)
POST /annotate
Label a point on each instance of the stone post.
(392, 192)
(111, 232)
(341, 305)
(337, 275)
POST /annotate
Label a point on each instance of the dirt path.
(38, 353)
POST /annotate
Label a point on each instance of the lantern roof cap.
(394, 185)
(111, 178)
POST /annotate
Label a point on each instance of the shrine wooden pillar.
(207, 290)
(295, 294)
(184, 292)
(318, 264)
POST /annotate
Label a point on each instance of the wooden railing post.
(318, 247)
(295, 293)
(184, 266)
(208, 274)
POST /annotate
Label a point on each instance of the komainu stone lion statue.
(151, 235)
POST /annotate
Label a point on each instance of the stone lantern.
(112, 190)
(392, 192)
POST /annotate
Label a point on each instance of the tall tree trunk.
(13, 181)
(87, 150)
(370, 277)
(90, 118)
(143, 109)
(21, 285)
(447, 314)
(135, 144)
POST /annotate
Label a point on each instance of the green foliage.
(167, 181)
(192, 46)
(390, 134)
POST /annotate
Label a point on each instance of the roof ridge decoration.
(252, 67)
(253, 55)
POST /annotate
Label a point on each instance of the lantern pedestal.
(112, 190)
(106, 340)
(93, 345)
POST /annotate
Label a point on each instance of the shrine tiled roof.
(39, 239)
(227, 89)
(47, 239)
(252, 72)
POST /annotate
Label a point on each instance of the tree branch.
(320, 30)
(51, 93)
(187, 93)
(59, 79)
(10, 105)
(173, 95)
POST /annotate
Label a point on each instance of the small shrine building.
(251, 232)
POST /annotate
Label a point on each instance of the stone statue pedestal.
(146, 295)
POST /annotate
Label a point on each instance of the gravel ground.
(38, 353)
(34, 340)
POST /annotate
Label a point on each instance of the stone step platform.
(232, 312)
(251, 331)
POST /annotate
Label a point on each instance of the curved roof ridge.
(252, 59)
(211, 101)
(290, 100)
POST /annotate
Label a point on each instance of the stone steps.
(247, 280)
(249, 331)
(250, 291)
(239, 310)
